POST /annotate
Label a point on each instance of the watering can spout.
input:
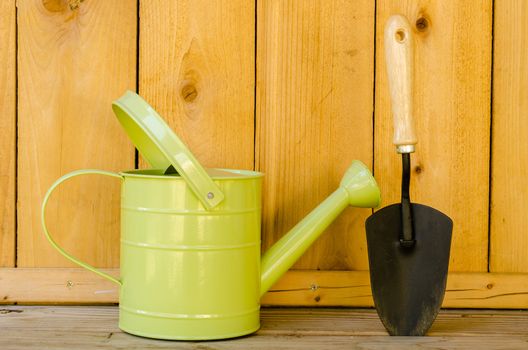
(357, 188)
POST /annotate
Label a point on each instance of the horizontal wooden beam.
(298, 287)
(56, 286)
(352, 288)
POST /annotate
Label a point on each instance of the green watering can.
(190, 242)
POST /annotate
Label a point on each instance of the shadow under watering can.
(190, 241)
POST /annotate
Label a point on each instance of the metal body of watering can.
(190, 242)
(187, 272)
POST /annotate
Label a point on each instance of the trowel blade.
(408, 284)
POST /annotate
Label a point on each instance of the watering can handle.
(47, 233)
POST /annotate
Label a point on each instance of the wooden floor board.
(83, 327)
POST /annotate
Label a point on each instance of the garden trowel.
(408, 243)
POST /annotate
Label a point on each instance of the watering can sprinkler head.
(363, 192)
(357, 188)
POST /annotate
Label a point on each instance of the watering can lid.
(160, 146)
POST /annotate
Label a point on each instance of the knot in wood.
(189, 93)
(74, 4)
(54, 5)
(422, 24)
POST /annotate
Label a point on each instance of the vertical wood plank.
(314, 116)
(197, 69)
(74, 59)
(8, 132)
(450, 169)
(509, 182)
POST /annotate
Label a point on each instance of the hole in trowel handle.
(400, 35)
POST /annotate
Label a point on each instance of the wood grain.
(314, 116)
(365, 322)
(452, 119)
(352, 288)
(509, 181)
(197, 69)
(56, 285)
(300, 288)
(8, 132)
(34, 327)
(74, 58)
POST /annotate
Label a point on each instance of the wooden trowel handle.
(399, 58)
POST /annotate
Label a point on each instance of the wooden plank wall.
(8, 132)
(452, 118)
(314, 116)
(509, 204)
(72, 62)
(190, 54)
(296, 89)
